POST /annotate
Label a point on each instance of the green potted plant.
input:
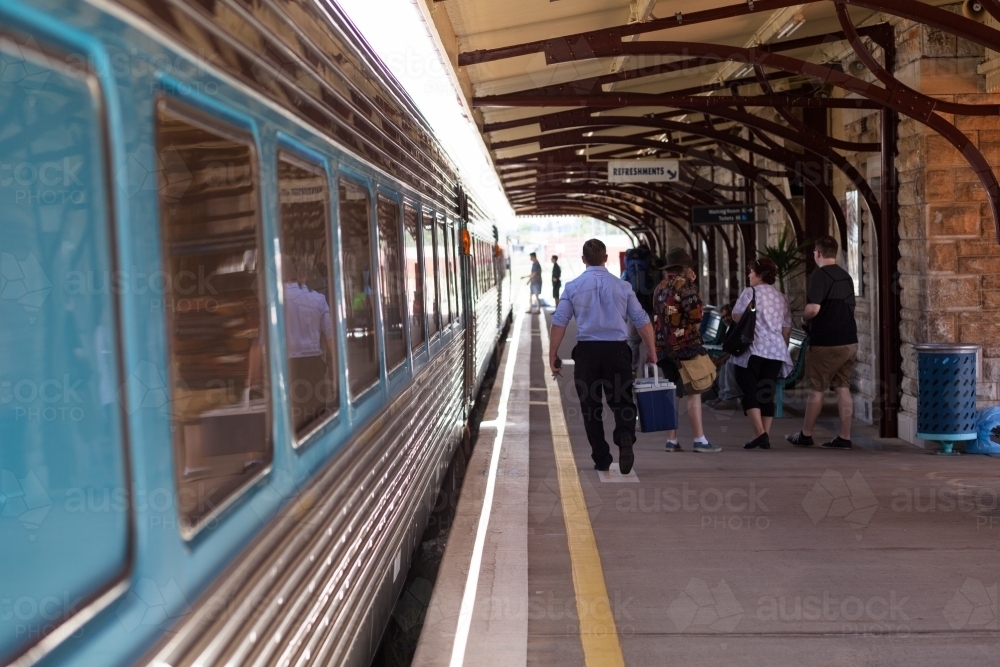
(787, 256)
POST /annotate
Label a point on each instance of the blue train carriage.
(244, 309)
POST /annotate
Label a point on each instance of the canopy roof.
(560, 87)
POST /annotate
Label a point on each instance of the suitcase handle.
(656, 373)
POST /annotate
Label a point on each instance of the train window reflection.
(303, 198)
(430, 263)
(356, 260)
(219, 377)
(414, 276)
(392, 286)
(444, 284)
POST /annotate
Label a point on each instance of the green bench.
(798, 341)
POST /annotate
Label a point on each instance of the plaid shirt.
(678, 311)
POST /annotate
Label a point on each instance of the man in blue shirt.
(602, 303)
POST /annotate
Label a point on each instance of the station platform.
(881, 555)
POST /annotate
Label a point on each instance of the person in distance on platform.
(600, 302)
(535, 283)
(833, 343)
(680, 351)
(767, 358)
(556, 279)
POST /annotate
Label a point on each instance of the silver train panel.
(488, 326)
(319, 584)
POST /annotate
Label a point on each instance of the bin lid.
(947, 348)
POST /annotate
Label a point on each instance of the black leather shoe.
(762, 441)
(625, 459)
(605, 466)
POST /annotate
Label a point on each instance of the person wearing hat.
(600, 301)
(682, 356)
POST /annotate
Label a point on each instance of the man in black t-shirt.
(833, 343)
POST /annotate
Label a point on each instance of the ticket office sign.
(643, 171)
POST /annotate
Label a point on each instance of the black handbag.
(740, 337)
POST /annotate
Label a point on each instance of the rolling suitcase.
(656, 400)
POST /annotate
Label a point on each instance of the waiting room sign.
(727, 215)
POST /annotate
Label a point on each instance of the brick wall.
(949, 271)
(950, 266)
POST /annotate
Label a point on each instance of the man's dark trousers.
(604, 369)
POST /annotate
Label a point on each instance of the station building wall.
(949, 270)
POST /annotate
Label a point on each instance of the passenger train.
(245, 308)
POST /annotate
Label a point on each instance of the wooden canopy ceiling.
(560, 87)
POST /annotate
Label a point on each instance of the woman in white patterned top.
(758, 368)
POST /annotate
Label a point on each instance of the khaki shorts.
(828, 367)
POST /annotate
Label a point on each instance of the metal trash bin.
(946, 408)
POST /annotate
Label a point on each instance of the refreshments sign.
(643, 171)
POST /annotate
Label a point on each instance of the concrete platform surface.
(882, 555)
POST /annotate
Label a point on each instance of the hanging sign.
(724, 215)
(643, 171)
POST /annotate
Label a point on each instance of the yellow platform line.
(598, 632)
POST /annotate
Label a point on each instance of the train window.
(492, 273)
(217, 344)
(486, 268)
(456, 251)
(483, 267)
(430, 282)
(356, 259)
(392, 283)
(414, 276)
(444, 284)
(303, 198)
(449, 232)
(473, 269)
(479, 266)
(485, 273)
(64, 488)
